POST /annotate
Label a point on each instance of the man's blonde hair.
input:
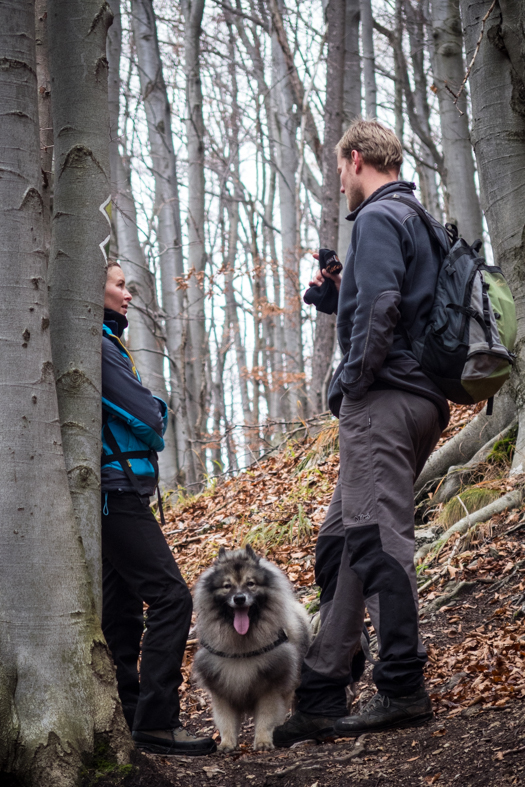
(377, 144)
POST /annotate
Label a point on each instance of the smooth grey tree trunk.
(497, 84)
(395, 39)
(274, 328)
(233, 203)
(369, 64)
(44, 114)
(426, 166)
(80, 233)
(146, 335)
(184, 386)
(57, 685)
(351, 106)
(329, 230)
(461, 196)
(197, 337)
(294, 83)
(416, 104)
(284, 129)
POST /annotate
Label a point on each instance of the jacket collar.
(402, 186)
(115, 321)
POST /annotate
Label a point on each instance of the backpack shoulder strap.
(425, 218)
(123, 457)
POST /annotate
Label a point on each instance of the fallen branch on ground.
(510, 500)
(356, 751)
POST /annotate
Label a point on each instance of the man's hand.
(320, 276)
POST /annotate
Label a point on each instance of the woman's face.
(116, 295)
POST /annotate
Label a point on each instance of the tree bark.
(45, 115)
(329, 231)
(197, 336)
(146, 338)
(184, 385)
(426, 165)
(461, 196)
(369, 64)
(57, 687)
(497, 82)
(284, 133)
(294, 82)
(351, 107)
(398, 73)
(278, 404)
(81, 226)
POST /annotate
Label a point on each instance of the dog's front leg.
(228, 722)
(269, 713)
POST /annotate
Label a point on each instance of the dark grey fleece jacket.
(389, 279)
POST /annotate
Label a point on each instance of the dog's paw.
(226, 747)
(263, 744)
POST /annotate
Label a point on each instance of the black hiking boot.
(385, 713)
(304, 727)
(180, 741)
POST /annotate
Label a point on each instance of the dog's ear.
(251, 554)
(222, 554)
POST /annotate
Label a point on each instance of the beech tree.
(497, 82)
(80, 237)
(57, 689)
(461, 197)
(329, 228)
(150, 337)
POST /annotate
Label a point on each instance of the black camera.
(325, 297)
(329, 261)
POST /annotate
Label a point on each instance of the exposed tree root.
(446, 598)
(463, 446)
(458, 475)
(510, 500)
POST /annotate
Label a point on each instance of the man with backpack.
(391, 416)
(138, 565)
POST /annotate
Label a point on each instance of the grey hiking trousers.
(365, 551)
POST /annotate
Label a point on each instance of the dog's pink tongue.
(241, 621)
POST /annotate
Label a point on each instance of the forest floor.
(472, 623)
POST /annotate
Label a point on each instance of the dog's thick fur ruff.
(244, 603)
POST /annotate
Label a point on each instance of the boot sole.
(417, 721)
(152, 748)
(321, 736)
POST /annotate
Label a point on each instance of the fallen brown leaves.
(486, 667)
(477, 648)
(273, 505)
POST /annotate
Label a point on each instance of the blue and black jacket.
(134, 420)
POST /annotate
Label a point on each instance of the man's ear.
(358, 161)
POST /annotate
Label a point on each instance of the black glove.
(325, 297)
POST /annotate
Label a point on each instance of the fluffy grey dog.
(253, 635)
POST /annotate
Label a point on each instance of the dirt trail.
(476, 642)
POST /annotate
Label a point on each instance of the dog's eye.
(250, 584)
(227, 586)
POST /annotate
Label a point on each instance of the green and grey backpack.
(466, 347)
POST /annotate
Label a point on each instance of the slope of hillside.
(472, 622)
